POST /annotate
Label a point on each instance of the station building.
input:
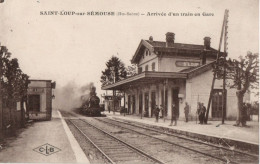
(170, 72)
(39, 99)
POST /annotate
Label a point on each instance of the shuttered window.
(146, 68)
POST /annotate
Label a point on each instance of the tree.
(4, 57)
(131, 70)
(14, 85)
(244, 75)
(115, 71)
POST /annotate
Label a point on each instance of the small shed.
(39, 99)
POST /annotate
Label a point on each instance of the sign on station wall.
(187, 63)
(35, 90)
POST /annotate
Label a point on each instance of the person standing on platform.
(203, 112)
(199, 112)
(156, 112)
(162, 110)
(186, 111)
(174, 115)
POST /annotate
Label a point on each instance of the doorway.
(34, 103)
(153, 103)
(133, 102)
(165, 103)
(175, 99)
(217, 104)
(140, 103)
(146, 104)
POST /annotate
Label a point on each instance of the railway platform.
(43, 142)
(214, 131)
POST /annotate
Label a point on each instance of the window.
(146, 52)
(146, 68)
(140, 70)
(153, 66)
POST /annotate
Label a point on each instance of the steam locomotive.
(91, 106)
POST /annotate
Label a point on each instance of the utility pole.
(164, 83)
(224, 71)
(224, 29)
(114, 80)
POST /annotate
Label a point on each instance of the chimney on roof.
(151, 38)
(207, 43)
(169, 39)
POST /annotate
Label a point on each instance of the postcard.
(133, 81)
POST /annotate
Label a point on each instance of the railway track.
(213, 151)
(112, 148)
(163, 151)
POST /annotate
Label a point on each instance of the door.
(140, 103)
(175, 99)
(34, 103)
(217, 104)
(133, 102)
(146, 105)
(152, 103)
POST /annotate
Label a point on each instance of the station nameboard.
(187, 63)
(35, 90)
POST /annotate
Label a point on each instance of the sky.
(75, 49)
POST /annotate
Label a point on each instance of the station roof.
(149, 77)
(144, 78)
(177, 48)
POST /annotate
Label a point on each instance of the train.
(91, 106)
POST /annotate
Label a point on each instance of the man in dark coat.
(186, 111)
(156, 112)
(174, 115)
(199, 112)
(203, 112)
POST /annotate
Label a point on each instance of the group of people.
(201, 111)
(157, 111)
(175, 113)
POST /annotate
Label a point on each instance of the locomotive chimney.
(170, 39)
(93, 91)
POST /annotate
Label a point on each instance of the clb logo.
(47, 149)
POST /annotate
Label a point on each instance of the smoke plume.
(71, 95)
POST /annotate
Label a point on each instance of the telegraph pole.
(224, 70)
(223, 30)
(114, 81)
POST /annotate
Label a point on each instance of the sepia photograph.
(129, 81)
